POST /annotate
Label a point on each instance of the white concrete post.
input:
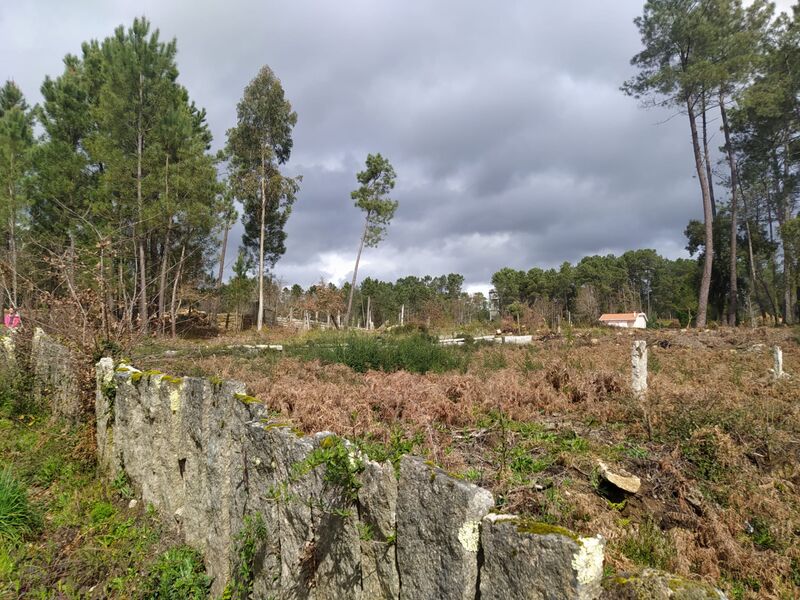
(639, 369)
(777, 370)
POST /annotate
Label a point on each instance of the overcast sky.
(512, 143)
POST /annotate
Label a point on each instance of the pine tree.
(16, 143)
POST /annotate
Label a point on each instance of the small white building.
(632, 320)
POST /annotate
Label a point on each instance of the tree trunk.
(12, 246)
(222, 254)
(355, 272)
(707, 158)
(260, 318)
(221, 268)
(12, 234)
(173, 305)
(139, 153)
(705, 282)
(733, 299)
(162, 280)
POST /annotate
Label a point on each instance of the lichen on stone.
(588, 560)
(246, 399)
(469, 534)
(174, 400)
(534, 527)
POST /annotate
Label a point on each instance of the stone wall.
(55, 376)
(8, 359)
(310, 517)
(335, 524)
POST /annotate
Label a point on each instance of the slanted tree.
(262, 140)
(372, 197)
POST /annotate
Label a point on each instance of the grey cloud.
(504, 121)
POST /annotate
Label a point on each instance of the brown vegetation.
(716, 444)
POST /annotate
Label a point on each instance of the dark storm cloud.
(504, 121)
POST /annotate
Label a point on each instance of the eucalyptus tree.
(673, 70)
(262, 140)
(16, 142)
(372, 197)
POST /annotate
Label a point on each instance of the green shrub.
(494, 361)
(648, 546)
(761, 534)
(16, 398)
(416, 353)
(248, 542)
(392, 451)
(102, 511)
(178, 574)
(18, 518)
(701, 450)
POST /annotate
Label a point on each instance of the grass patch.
(648, 546)
(178, 574)
(16, 398)
(415, 353)
(18, 518)
(80, 534)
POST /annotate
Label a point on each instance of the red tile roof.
(619, 317)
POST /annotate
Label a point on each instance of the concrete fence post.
(639, 369)
(777, 370)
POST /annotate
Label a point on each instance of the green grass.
(399, 444)
(648, 546)
(80, 533)
(16, 399)
(18, 517)
(178, 574)
(416, 353)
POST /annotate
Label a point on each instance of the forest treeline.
(114, 208)
(639, 280)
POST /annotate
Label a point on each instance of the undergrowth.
(415, 353)
(247, 544)
(64, 533)
(178, 573)
(18, 517)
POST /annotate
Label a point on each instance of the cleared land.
(716, 443)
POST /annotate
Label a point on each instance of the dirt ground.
(715, 443)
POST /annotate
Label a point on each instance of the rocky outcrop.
(548, 563)
(657, 585)
(438, 532)
(377, 500)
